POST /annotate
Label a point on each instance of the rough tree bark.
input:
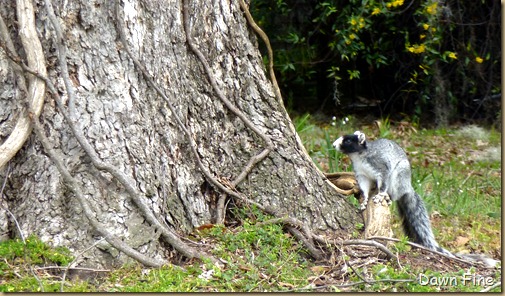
(119, 155)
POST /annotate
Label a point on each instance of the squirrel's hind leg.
(382, 193)
(365, 184)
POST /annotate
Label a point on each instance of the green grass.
(461, 188)
(255, 258)
(20, 262)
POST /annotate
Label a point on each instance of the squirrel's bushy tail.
(416, 222)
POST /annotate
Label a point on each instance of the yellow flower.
(432, 9)
(426, 26)
(422, 36)
(352, 36)
(452, 55)
(376, 10)
(397, 3)
(353, 22)
(479, 60)
(416, 48)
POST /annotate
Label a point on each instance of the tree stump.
(377, 216)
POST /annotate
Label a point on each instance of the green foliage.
(384, 128)
(257, 257)
(133, 278)
(413, 56)
(20, 259)
(402, 245)
(34, 252)
(318, 140)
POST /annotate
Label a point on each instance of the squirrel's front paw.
(379, 197)
(362, 206)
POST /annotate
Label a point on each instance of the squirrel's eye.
(347, 141)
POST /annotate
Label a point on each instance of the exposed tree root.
(170, 237)
(35, 89)
(125, 181)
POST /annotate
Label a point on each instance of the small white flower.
(334, 118)
(333, 123)
(343, 122)
(347, 119)
(206, 275)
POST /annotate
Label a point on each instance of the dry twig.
(422, 248)
(75, 260)
(353, 284)
(491, 287)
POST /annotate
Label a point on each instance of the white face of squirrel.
(351, 143)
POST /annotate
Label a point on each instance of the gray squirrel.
(384, 164)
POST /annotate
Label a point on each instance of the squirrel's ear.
(361, 137)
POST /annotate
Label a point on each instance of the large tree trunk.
(145, 182)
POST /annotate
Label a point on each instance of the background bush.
(437, 61)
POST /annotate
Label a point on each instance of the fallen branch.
(314, 252)
(363, 242)
(491, 287)
(422, 248)
(309, 236)
(346, 262)
(73, 268)
(353, 284)
(371, 244)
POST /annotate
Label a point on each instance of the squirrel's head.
(351, 143)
